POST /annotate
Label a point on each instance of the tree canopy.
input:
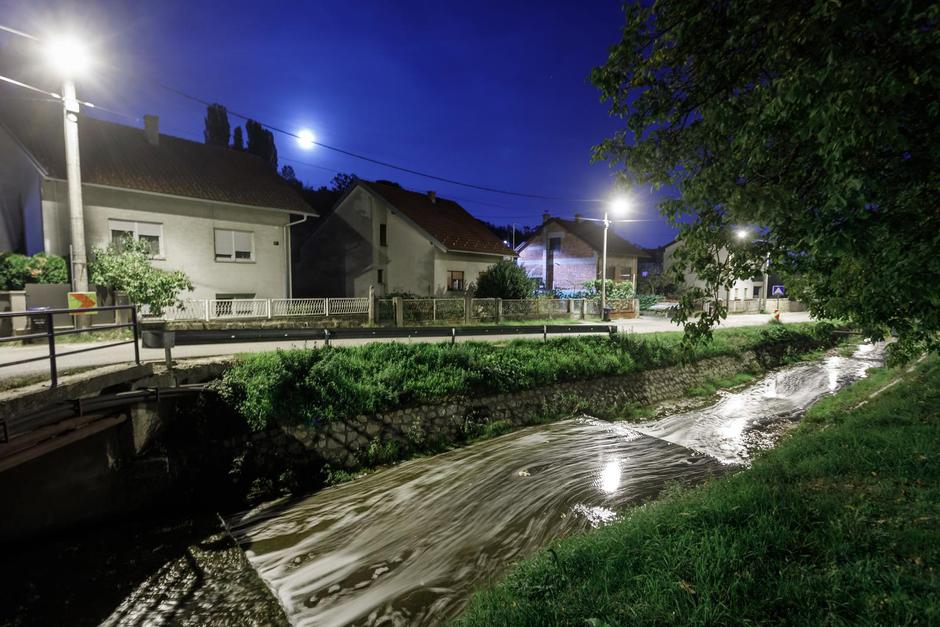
(505, 279)
(261, 142)
(815, 124)
(127, 268)
(217, 130)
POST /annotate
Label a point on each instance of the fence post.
(399, 312)
(467, 302)
(583, 308)
(206, 305)
(499, 310)
(371, 304)
(269, 308)
(326, 307)
(50, 333)
(433, 310)
(544, 332)
(136, 330)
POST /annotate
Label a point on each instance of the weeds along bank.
(323, 412)
(836, 525)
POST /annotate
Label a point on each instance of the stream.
(409, 544)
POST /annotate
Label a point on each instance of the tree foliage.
(505, 279)
(261, 143)
(814, 122)
(127, 268)
(17, 270)
(217, 130)
(238, 139)
(341, 182)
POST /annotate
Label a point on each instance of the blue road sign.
(777, 290)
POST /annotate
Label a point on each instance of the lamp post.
(619, 205)
(742, 234)
(69, 58)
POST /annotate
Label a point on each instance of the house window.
(612, 272)
(150, 232)
(554, 243)
(756, 291)
(455, 281)
(381, 277)
(234, 245)
(383, 235)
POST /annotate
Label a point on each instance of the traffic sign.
(82, 300)
(777, 291)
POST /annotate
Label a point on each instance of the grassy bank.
(840, 524)
(311, 386)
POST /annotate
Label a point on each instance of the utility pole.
(79, 261)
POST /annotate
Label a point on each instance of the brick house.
(564, 254)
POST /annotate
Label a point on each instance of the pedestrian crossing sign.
(777, 291)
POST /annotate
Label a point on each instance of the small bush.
(17, 270)
(505, 279)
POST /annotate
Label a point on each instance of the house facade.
(218, 214)
(565, 254)
(742, 290)
(397, 241)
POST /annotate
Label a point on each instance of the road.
(125, 354)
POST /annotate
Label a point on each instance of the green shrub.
(127, 268)
(17, 270)
(505, 279)
(648, 300)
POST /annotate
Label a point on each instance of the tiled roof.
(120, 156)
(593, 234)
(443, 219)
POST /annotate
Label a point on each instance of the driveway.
(125, 354)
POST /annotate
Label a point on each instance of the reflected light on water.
(609, 478)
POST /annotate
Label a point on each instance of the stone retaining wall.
(346, 443)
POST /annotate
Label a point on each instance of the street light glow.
(306, 139)
(620, 205)
(68, 56)
(741, 233)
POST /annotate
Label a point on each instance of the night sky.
(491, 93)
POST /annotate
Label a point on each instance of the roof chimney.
(546, 217)
(432, 196)
(152, 129)
(577, 217)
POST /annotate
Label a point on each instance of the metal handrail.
(51, 334)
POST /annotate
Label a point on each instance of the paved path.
(125, 354)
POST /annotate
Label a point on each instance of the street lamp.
(743, 234)
(70, 58)
(619, 205)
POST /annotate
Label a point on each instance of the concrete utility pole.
(73, 172)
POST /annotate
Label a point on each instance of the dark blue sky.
(493, 93)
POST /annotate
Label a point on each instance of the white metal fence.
(227, 309)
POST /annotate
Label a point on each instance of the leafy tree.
(217, 129)
(17, 270)
(238, 139)
(287, 173)
(341, 182)
(505, 279)
(127, 268)
(817, 123)
(261, 143)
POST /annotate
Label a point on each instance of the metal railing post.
(206, 303)
(136, 331)
(269, 309)
(326, 307)
(50, 333)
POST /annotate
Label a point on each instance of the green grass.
(839, 525)
(312, 386)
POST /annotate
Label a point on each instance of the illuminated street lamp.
(70, 59)
(619, 205)
(743, 234)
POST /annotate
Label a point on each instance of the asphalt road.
(125, 354)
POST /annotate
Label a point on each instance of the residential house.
(218, 214)
(398, 241)
(565, 254)
(743, 289)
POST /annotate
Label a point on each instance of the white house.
(743, 289)
(218, 214)
(396, 240)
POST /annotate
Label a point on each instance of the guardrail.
(51, 333)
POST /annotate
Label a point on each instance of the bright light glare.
(306, 139)
(741, 233)
(68, 56)
(620, 205)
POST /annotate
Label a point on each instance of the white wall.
(471, 265)
(188, 237)
(743, 289)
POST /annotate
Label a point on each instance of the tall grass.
(839, 525)
(312, 386)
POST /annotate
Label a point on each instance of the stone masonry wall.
(344, 443)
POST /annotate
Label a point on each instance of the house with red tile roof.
(397, 241)
(565, 254)
(219, 214)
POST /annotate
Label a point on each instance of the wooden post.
(466, 309)
(399, 312)
(371, 304)
(499, 310)
(433, 310)
(583, 308)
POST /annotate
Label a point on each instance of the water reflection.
(407, 545)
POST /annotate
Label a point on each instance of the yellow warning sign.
(82, 300)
